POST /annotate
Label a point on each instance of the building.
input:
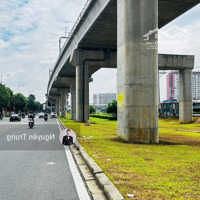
(196, 85)
(173, 85)
(103, 99)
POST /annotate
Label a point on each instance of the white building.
(196, 85)
(103, 99)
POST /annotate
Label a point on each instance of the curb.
(111, 192)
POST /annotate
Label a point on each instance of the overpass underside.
(123, 34)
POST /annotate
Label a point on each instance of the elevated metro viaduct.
(117, 33)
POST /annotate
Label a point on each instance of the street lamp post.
(60, 43)
(2, 75)
(50, 70)
(14, 103)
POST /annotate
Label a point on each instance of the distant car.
(53, 115)
(41, 115)
(15, 117)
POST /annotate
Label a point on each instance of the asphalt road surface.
(33, 163)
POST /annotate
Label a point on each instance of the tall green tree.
(19, 102)
(33, 106)
(38, 106)
(92, 109)
(31, 97)
(112, 108)
(9, 96)
(5, 97)
(31, 103)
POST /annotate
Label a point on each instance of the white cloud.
(29, 34)
(3, 44)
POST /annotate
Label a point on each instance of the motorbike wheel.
(31, 125)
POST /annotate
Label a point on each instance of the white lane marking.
(51, 163)
(80, 187)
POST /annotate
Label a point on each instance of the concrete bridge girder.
(108, 59)
(165, 61)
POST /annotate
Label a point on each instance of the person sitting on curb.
(67, 139)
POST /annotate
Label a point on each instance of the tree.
(112, 108)
(38, 106)
(33, 106)
(4, 97)
(92, 109)
(19, 102)
(31, 103)
(9, 96)
(32, 97)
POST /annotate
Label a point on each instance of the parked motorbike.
(30, 122)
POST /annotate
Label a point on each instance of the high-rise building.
(173, 85)
(99, 99)
(196, 85)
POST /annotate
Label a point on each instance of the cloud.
(29, 34)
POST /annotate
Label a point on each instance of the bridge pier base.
(185, 96)
(137, 71)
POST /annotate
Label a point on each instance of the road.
(34, 165)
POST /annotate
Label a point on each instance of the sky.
(29, 35)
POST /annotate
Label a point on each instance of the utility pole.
(2, 76)
(60, 43)
(50, 70)
(14, 103)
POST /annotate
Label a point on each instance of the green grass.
(170, 170)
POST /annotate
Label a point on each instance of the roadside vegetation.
(17, 102)
(111, 111)
(169, 170)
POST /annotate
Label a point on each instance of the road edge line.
(79, 183)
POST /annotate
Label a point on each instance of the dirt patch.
(179, 140)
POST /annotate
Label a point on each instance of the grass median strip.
(169, 170)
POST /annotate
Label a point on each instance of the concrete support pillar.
(79, 93)
(82, 93)
(137, 70)
(67, 102)
(185, 96)
(73, 102)
(63, 101)
(57, 107)
(86, 94)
